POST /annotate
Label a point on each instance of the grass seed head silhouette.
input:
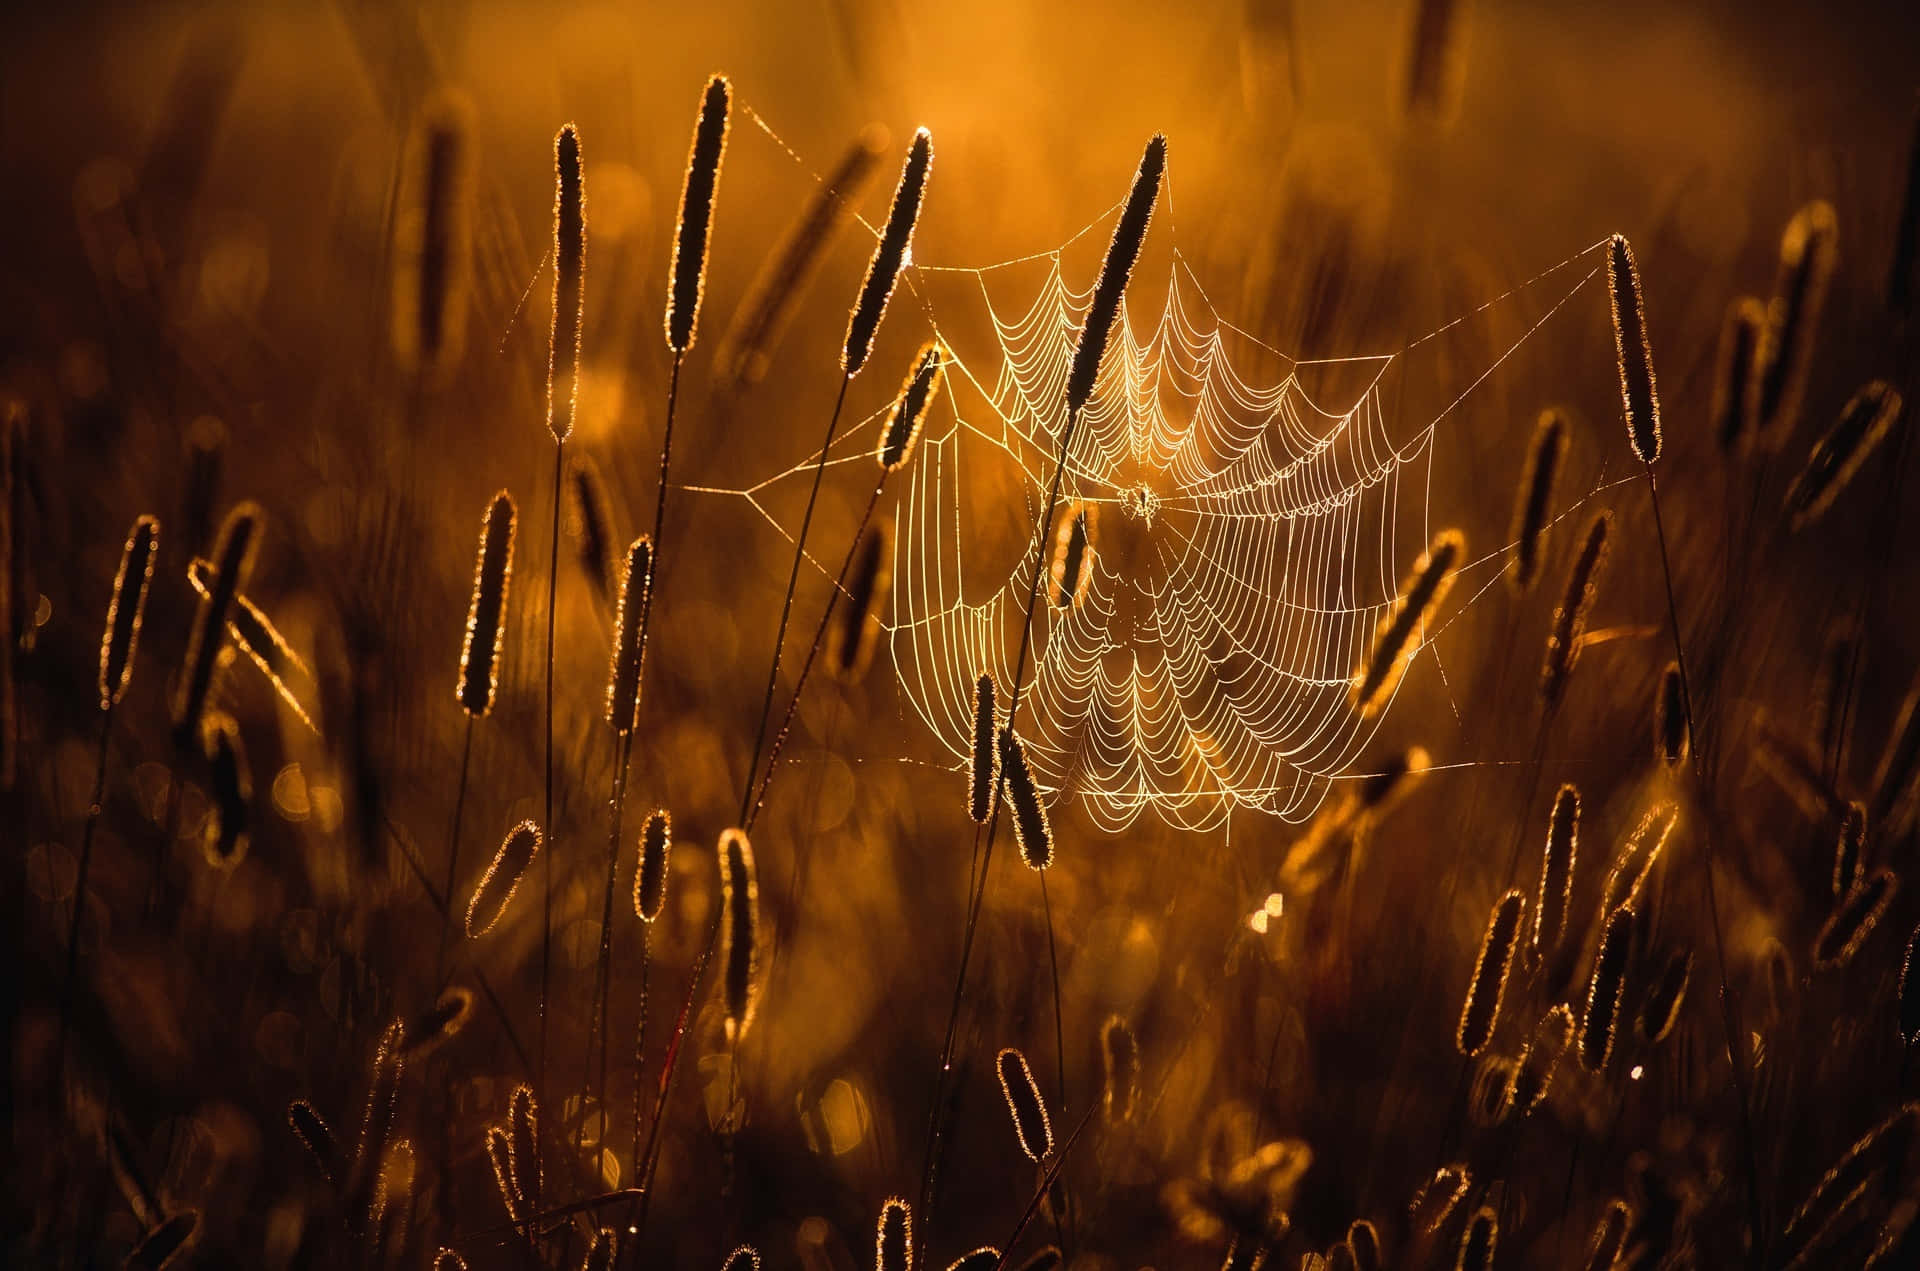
(127, 609)
(1668, 993)
(487, 612)
(1809, 250)
(1435, 1199)
(317, 1137)
(1398, 636)
(745, 1258)
(256, 636)
(1533, 511)
(1123, 252)
(694, 230)
(1556, 873)
(224, 837)
(1071, 570)
(1670, 739)
(601, 1252)
(1570, 619)
(1363, 1242)
(165, 1243)
(1638, 395)
(569, 283)
(1838, 456)
(383, 1093)
(431, 287)
(500, 1156)
(233, 555)
(740, 909)
(1030, 827)
(650, 878)
(1609, 981)
(1909, 996)
(985, 1258)
(1853, 920)
(855, 632)
(448, 1260)
(1734, 407)
(523, 1144)
(893, 1240)
(1481, 1239)
(1538, 1061)
(497, 886)
(889, 255)
(1481, 1011)
(629, 638)
(1641, 852)
(1609, 1240)
(1850, 850)
(909, 417)
(1024, 1104)
(983, 761)
(439, 1023)
(589, 516)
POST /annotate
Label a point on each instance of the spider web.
(1248, 539)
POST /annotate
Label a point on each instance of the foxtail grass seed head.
(745, 1258)
(1668, 993)
(1883, 1148)
(1481, 1012)
(1733, 378)
(1604, 990)
(1072, 566)
(1868, 417)
(1338, 1257)
(985, 1258)
(1808, 251)
(523, 1143)
(1556, 873)
(1377, 792)
(1533, 1071)
(500, 1156)
(569, 282)
(1363, 1241)
(1570, 619)
(233, 556)
(1024, 1103)
(1249, 1253)
(383, 1093)
(1850, 851)
(1478, 1244)
(497, 885)
(1030, 826)
(1433, 59)
(224, 838)
(1609, 1240)
(1491, 1096)
(126, 609)
(164, 1244)
(439, 1023)
(893, 1241)
(1435, 1200)
(1398, 636)
(1123, 252)
(740, 903)
(890, 255)
(855, 632)
(1853, 920)
(694, 229)
(1638, 395)
(909, 417)
(650, 878)
(590, 523)
(600, 1253)
(1641, 853)
(1121, 1054)
(747, 353)
(1670, 739)
(1533, 512)
(1910, 991)
(449, 1260)
(983, 768)
(317, 1137)
(487, 613)
(629, 637)
(256, 636)
(430, 296)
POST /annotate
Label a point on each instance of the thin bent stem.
(1728, 1009)
(453, 862)
(813, 654)
(546, 888)
(786, 607)
(80, 898)
(603, 971)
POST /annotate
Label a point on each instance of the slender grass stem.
(453, 861)
(69, 983)
(597, 1032)
(546, 868)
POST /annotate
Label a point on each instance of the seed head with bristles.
(497, 885)
(983, 770)
(233, 555)
(694, 229)
(486, 614)
(1670, 739)
(1556, 873)
(1868, 417)
(430, 295)
(1638, 395)
(523, 1143)
(439, 1023)
(1435, 1199)
(893, 1239)
(1030, 828)
(1910, 991)
(1533, 511)
(230, 790)
(1604, 990)
(1481, 1238)
(985, 1258)
(257, 637)
(589, 515)
(1481, 1011)
(500, 1156)
(745, 1258)
(889, 255)
(1808, 252)
(569, 282)
(1363, 1242)
(1850, 850)
(1540, 1059)
(909, 416)
(1733, 379)
(629, 637)
(855, 632)
(1853, 920)
(317, 1137)
(1661, 1008)
(1072, 566)
(1641, 853)
(1570, 619)
(740, 917)
(1123, 252)
(126, 609)
(650, 878)
(161, 1246)
(1398, 636)
(1609, 1240)
(1028, 1109)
